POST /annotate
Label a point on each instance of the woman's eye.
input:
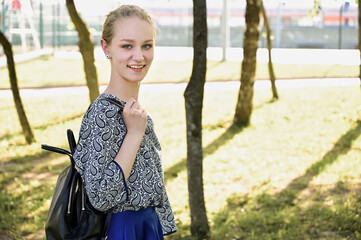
(127, 46)
(147, 46)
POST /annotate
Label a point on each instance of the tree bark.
(193, 105)
(86, 48)
(269, 47)
(359, 34)
(28, 133)
(250, 45)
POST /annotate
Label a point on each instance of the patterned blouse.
(101, 135)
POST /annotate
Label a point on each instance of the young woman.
(118, 154)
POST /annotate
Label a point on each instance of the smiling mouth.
(136, 66)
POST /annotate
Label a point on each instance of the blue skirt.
(135, 225)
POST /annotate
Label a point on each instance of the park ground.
(294, 173)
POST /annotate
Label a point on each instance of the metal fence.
(292, 28)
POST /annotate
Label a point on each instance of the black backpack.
(71, 216)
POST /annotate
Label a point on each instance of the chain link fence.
(292, 27)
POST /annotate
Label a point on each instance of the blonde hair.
(122, 12)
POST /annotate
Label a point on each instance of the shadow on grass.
(70, 118)
(11, 171)
(223, 139)
(25, 188)
(36, 155)
(341, 147)
(24, 216)
(278, 216)
(214, 65)
(265, 217)
(24, 159)
(183, 232)
(9, 137)
(27, 158)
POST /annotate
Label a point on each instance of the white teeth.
(136, 66)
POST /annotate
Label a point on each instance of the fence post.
(41, 26)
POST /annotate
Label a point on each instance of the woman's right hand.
(135, 117)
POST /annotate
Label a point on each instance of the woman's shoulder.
(102, 105)
(106, 100)
(102, 110)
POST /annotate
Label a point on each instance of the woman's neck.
(123, 89)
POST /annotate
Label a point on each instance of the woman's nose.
(138, 54)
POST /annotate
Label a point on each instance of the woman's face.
(131, 49)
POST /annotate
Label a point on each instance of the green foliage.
(316, 8)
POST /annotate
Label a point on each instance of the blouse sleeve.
(100, 137)
(166, 216)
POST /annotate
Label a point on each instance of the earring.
(107, 56)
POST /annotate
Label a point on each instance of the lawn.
(294, 173)
(51, 71)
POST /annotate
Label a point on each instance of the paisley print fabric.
(100, 137)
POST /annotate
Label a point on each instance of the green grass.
(50, 71)
(294, 173)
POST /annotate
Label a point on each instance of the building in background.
(292, 23)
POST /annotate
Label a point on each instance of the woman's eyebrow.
(132, 41)
(127, 40)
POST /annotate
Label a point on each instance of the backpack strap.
(115, 102)
(106, 226)
(71, 141)
(56, 149)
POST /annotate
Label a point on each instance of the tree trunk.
(359, 34)
(250, 44)
(29, 136)
(86, 48)
(193, 105)
(269, 47)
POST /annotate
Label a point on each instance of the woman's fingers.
(129, 103)
(135, 105)
(132, 104)
(135, 117)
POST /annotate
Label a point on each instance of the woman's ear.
(105, 47)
